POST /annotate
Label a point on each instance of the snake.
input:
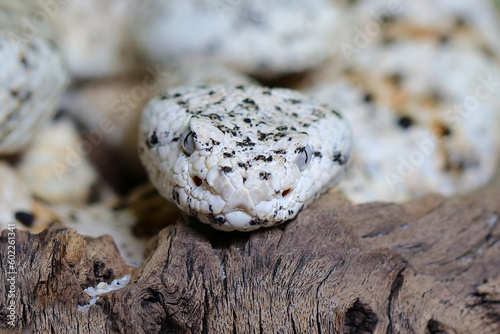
(242, 157)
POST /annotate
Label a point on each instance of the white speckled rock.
(56, 166)
(32, 79)
(260, 37)
(424, 117)
(94, 36)
(242, 157)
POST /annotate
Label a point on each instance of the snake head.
(240, 159)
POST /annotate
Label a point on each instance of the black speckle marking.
(405, 122)
(277, 108)
(443, 130)
(249, 101)
(282, 128)
(318, 113)
(222, 128)
(295, 115)
(214, 117)
(280, 151)
(214, 142)
(256, 222)
(240, 87)
(280, 135)
(175, 196)
(216, 220)
(211, 92)
(247, 120)
(267, 92)
(368, 98)
(290, 212)
(245, 143)
(25, 218)
(263, 158)
(226, 169)
(337, 157)
(317, 154)
(299, 150)
(154, 139)
(264, 175)
(181, 103)
(446, 131)
(293, 101)
(244, 165)
(176, 95)
(227, 155)
(176, 139)
(335, 112)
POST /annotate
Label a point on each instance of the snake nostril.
(286, 192)
(197, 181)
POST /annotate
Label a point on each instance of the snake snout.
(241, 201)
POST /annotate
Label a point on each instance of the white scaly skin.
(32, 79)
(240, 158)
(262, 37)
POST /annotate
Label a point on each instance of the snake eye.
(187, 141)
(304, 157)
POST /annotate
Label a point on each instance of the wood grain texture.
(430, 266)
(53, 268)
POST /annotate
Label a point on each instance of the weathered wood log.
(429, 266)
(51, 270)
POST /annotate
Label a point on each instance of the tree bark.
(429, 266)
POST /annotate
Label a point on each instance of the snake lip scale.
(242, 157)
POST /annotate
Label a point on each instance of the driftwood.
(430, 266)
